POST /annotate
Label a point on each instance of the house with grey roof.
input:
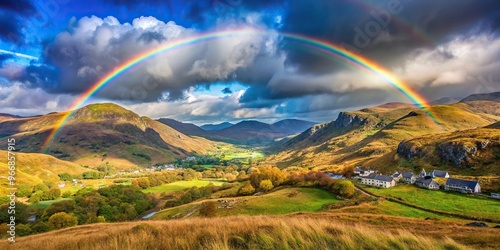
(463, 186)
(396, 176)
(428, 183)
(439, 174)
(378, 180)
(409, 177)
(423, 173)
(359, 171)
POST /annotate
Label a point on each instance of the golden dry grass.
(300, 231)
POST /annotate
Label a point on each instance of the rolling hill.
(100, 133)
(361, 137)
(483, 97)
(32, 168)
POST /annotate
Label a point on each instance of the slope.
(101, 133)
(34, 168)
(360, 137)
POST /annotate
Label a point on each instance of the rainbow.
(330, 48)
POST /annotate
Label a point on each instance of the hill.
(293, 126)
(100, 133)
(34, 168)
(483, 97)
(217, 126)
(361, 137)
(445, 100)
(301, 231)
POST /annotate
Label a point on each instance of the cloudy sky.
(53, 51)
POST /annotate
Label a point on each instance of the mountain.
(445, 100)
(293, 126)
(217, 126)
(101, 133)
(185, 128)
(495, 97)
(4, 116)
(364, 136)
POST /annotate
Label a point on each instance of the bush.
(247, 189)
(344, 188)
(65, 177)
(62, 220)
(23, 229)
(208, 209)
(266, 185)
(66, 194)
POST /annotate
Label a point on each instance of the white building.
(378, 180)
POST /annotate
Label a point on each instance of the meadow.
(443, 200)
(181, 185)
(284, 201)
(306, 231)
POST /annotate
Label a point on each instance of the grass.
(279, 202)
(444, 201)
(46, 204)
(262, 232)
(389, 208)
(180, 185)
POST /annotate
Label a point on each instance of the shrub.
(23, 229)
(247, 189)
(66, 194)
(208, 209)
(62, 220)
(266, 185)
(344, 188)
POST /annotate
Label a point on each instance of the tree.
(247, 189)
(23, 229)
(24, 190)
(36, 197)
(54, 193)
(143, 183)
(266, 185)
(66, 194)
(208, 209)
(65, 177)
(62, 220)
(41, 187)
(344, 188)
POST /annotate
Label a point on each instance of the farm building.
(378, 180)
(439, 174)
(463, 186)
(428, 183)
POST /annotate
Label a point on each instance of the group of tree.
(114, 203)
(194, 193)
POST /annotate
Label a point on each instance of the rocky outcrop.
(460, 154)
(410, 150)
(346, 119)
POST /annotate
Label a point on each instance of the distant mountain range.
(217, 126)
(483, 97)
(244, 132)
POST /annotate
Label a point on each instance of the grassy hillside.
(297, 232)
(35, 168)
(444, 201)
(101, 133)
(370, 136)
(284, 201)
(180, 185)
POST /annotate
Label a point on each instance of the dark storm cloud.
(4, 57)
(12, 14)
(151, 36)
(397, 26)
(227, 90)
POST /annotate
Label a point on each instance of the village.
(433, 180)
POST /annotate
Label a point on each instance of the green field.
(46, 204)
(180, 185)
(280, 202)
(444, 201)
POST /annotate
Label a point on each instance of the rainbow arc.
(322, 45)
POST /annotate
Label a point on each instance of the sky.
(53, 51)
